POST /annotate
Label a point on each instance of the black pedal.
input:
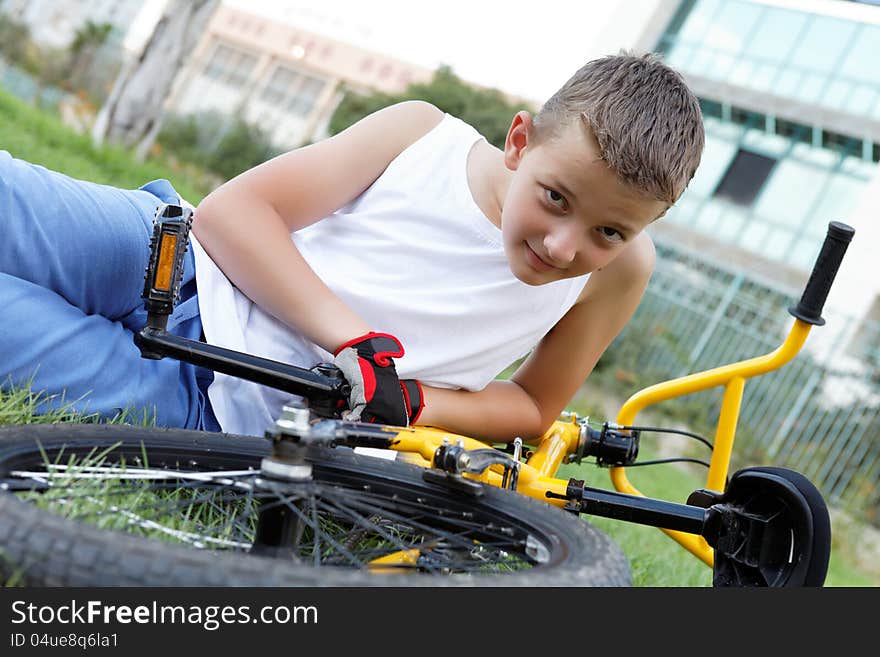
(164, 273)
(165, 268)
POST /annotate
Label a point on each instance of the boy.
(423, 261)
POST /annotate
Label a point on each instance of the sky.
(528, 49)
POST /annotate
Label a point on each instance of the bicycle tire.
(793, 508)
(42, 548)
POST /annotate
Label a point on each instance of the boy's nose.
(561, 246)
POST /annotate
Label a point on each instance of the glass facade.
(767, 184)
(816, 59)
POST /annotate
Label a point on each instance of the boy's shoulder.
(631, 269)
(410, 119)
(635, 264)
(421, 110)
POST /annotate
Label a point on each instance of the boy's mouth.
(535, 261)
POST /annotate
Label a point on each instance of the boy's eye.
(611, 234)
(554, 197)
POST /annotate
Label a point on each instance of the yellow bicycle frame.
(732, 377)
(536, 477)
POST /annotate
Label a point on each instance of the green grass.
(41, 138)
(21, 405)
(658, 560)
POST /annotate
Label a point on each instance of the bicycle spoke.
(339, 525)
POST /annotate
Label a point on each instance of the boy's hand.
(414, 398)
(377, 394)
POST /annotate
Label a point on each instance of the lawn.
(41, 138)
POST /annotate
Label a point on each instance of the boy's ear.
(517, 140)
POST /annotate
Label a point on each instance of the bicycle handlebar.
(809, 308)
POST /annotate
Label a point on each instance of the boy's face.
(565, 212)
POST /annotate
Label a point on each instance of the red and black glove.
(377, 394)
(415, 400)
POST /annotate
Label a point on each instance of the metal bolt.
(294, 418)
(517, 448)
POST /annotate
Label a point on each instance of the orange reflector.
(167, 249)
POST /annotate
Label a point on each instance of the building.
(285, 79)
(273, 74)
(791, 98)
(790, 93)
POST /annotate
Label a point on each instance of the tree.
(213, 142)
(243, 146)
(485, 109)
(193, 137)
(86, 42)
(16, 45)
(132, 115)
(81, 71)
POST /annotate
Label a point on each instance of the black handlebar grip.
(809, 308)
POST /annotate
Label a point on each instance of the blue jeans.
(72, 261)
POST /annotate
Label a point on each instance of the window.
(710, 107)
(791, 191)
(732, 27)
(794, 131)
(776, 34)
(745, 117)
(308, 92)
(230, 66)
(834, 141)
(823, 42)
(698, 20)
(837, 202)
(717, 156)
(279, 83)
(861, 58)
(291, 90)
(744, 178)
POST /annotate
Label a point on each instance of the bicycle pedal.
(168, 246)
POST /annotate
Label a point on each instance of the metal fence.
(819, 415)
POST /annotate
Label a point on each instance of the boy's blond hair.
(646, 121)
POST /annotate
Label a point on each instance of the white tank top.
(415, 257)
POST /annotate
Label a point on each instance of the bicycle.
(302, 506)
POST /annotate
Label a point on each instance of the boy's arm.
(245, 224)
(545, 383)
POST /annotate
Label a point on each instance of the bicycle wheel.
(110, 505)
(783, 537)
